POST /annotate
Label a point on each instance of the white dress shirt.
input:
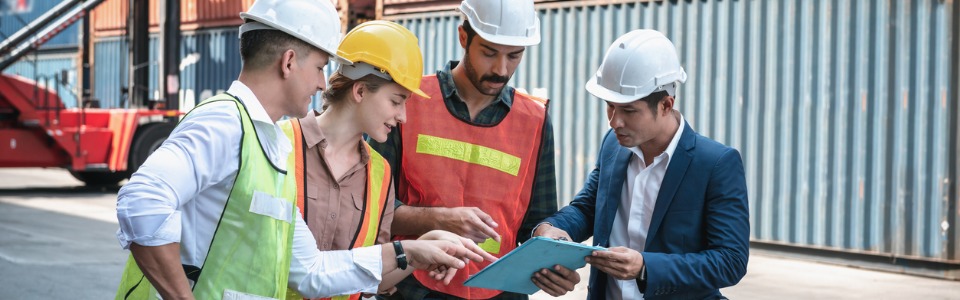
(637, 201)
(177, 196)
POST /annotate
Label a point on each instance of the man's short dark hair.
(470, 32)
(259, 48)
(653, 100)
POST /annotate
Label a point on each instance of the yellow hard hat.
(385, 49)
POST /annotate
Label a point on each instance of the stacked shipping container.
(845, 111)
(209, 49)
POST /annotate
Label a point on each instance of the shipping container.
(15, 15)
(845, 111)
(110, 18)
(209, 62)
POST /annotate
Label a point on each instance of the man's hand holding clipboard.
(540, 263)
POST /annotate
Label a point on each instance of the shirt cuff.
(321, 274)
(370, 260)
(534, 231)
(167, 233)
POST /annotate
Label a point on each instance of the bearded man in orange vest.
(476, 158)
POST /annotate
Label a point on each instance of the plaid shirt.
(543, 199)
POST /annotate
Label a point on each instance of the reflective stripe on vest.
(450, 163)
(291, 128)
(250, 252)
(378, 184)
(377, 188)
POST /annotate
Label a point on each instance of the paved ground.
(56, 238)
(57, 241)
(772, 277)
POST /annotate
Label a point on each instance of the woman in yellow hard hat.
(345, 192)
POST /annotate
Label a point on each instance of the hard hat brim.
(606, 94)
(420, 93)
(517, 41)
(338, 59)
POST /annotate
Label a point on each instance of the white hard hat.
(315, 22)
(638, 64)
(504, 22)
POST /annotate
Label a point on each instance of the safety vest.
(450, 163)
(378, 184)
(249, 256)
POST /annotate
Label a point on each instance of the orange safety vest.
(378, 184)
(449, 163)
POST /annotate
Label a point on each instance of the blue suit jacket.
(699, 235)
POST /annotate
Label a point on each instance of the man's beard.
(477, 81)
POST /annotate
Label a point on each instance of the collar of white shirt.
(259, 115)
(670, 147)
(254, 108)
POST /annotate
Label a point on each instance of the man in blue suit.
(670, 204)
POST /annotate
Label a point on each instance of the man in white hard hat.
(212, 215)
(476, 158)
(670, 204)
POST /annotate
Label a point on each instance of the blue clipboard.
(513, 271)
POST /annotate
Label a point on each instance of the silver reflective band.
(360, 69)
(253, 25)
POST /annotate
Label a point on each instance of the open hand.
(469, 244)
(446, 273)
(443, 256)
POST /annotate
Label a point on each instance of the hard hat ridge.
(384, 49)
(504, 22)
(636, 65)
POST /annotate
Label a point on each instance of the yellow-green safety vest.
(249, 256)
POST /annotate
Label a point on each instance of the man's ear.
(287, 61)
(462, 35)
(667, 104)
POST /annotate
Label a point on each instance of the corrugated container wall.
(14, 15)
(842, 109)
(110, 18)
(210, 61)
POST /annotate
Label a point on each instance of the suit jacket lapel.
(610, 199)
(682, 156)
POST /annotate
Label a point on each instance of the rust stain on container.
(904, 99)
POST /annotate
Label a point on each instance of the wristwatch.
(401, 257)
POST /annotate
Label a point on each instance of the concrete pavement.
(56, 237)
(770, 276)
(57, 241)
